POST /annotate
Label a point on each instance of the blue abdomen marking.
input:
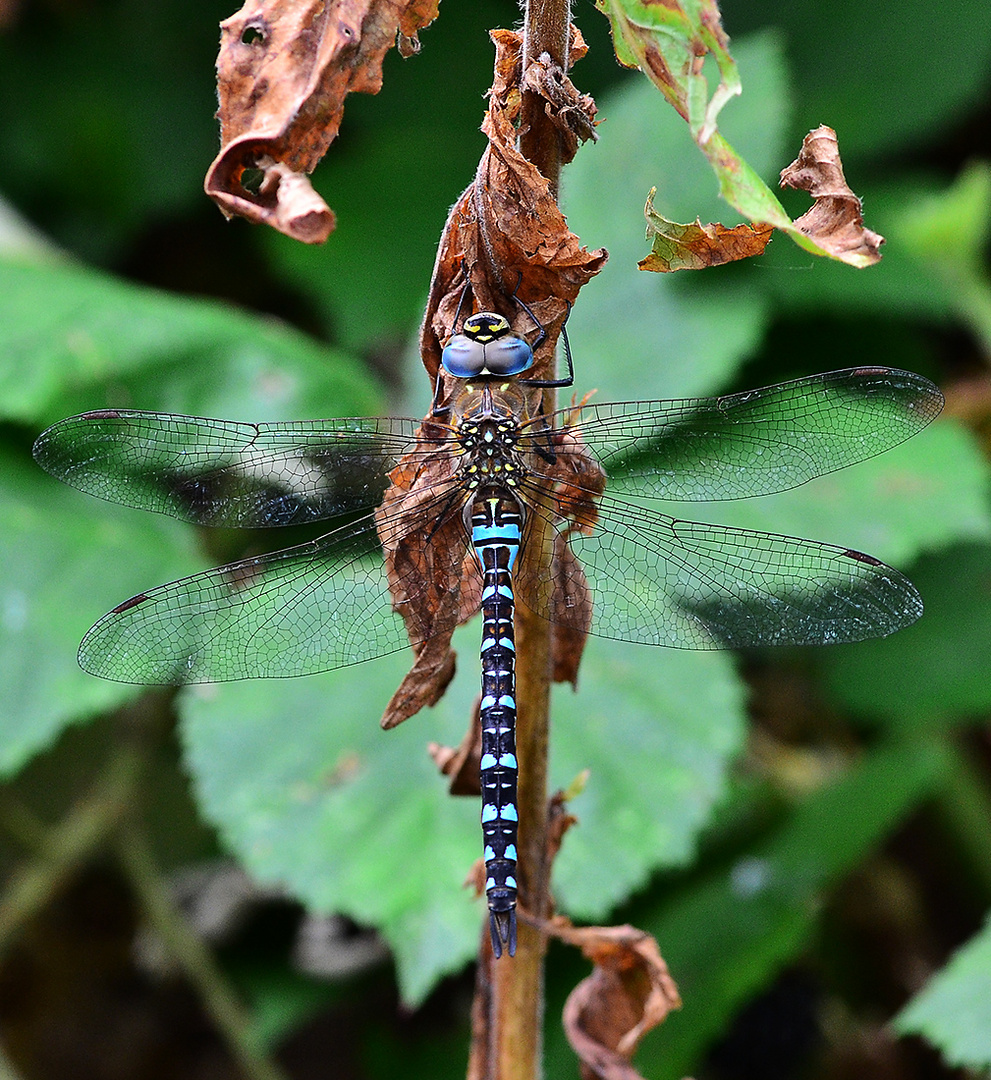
(496, 530)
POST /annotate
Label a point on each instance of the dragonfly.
(464, 503)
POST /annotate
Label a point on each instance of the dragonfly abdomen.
(496, 528)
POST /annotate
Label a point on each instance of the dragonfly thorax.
(491, 457)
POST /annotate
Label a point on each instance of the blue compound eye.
(462, 357)
(508, 356)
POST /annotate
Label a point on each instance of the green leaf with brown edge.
(668, 43)
(696, 246)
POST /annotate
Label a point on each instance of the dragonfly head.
(486, 346)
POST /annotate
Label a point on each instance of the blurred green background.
(805, 832)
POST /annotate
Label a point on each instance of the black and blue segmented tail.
(496, 527)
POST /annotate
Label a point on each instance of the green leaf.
(899, 286)
(938, 669)
(66, 559)
(886, 76)
(726, 936)
(657, 729)
(73, 339)
(647, 335)
(953, 1010)
(310, 792)
(667, 42)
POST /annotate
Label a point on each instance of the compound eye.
(462, 357)
(508, 356)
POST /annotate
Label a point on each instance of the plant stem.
(517, 985)
(546, 29)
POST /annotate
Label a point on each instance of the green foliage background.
(121, 286)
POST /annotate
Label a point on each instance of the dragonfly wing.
(217, 472)
(751, 443)
(309, 608)
(661, 581)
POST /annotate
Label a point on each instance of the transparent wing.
(752, 443)
(305, 609)
(661, 581)
(216, 472)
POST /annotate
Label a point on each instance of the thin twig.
(193, 956)
(70, 843)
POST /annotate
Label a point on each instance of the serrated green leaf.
(657, 729)
(953, 1010)
(310, 792)
(666, 338)
(66, 559)
(74, 339)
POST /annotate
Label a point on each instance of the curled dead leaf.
(431, 580)
(835, 222)
(283, 71)
(559, 821)
(629, 993)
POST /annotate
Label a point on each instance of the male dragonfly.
(471, 486)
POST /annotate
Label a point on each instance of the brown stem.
(546, 29)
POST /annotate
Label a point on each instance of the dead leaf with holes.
(505, 235)
(284, 69)
(835, 222)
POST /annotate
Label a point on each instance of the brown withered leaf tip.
(835, 221)
(559, 821)
(506, 229)
(283, 71)
(461, 766)
(629, 993)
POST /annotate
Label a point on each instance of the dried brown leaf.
(431, 580)
(506, 231)
(462, 765)
(629, 993)
(283, 71)
(559, 821)
(571, 612)
(835, 222)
